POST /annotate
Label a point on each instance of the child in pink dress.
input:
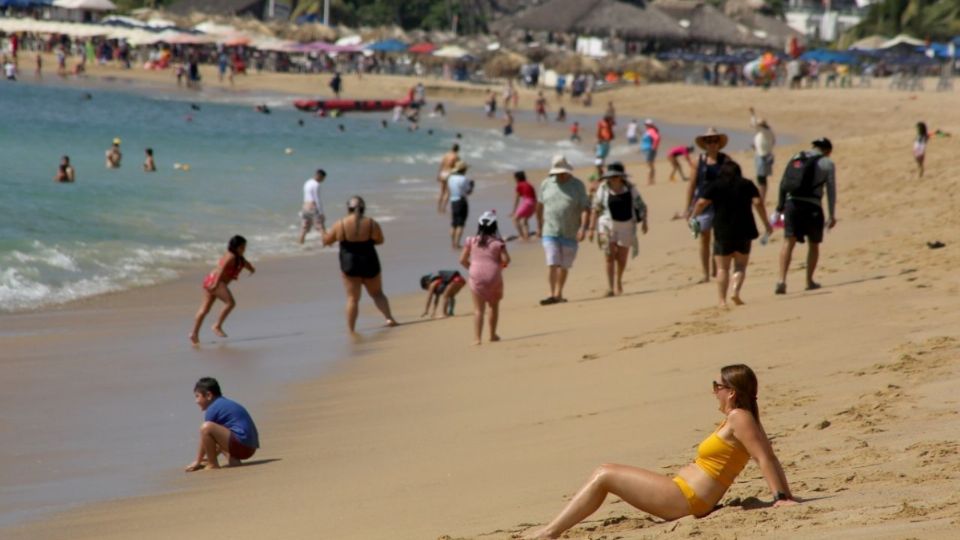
(485, 256)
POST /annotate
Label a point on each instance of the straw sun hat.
(711, 133)
(560, 165)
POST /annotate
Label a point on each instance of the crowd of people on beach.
(718, 207)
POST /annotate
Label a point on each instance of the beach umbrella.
(388, 45)
(451, 51)
(87, 5)
(422, 48)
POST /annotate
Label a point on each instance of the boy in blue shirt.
(227, 428)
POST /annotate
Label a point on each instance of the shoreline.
(508, 421)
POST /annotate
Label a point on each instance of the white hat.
(598, 161)
(648, 122)
(488, 218)
(560, 165)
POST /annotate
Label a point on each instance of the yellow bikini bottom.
(698, 507)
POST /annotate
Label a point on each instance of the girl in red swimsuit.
(215, 286)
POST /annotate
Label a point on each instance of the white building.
(827, 19)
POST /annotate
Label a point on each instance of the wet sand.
(422, 435)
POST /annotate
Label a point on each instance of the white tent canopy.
(902, 38)
(451, 51)
(87, 5)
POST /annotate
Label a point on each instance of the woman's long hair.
(729, 172)
(356, 205)
(233, 246)
(922, 131)
(742, 380)
(487, 231)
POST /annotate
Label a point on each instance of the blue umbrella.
(24, 3)
(388, 45)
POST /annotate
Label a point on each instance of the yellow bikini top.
(721, 460)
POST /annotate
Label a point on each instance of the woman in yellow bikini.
(698, 487)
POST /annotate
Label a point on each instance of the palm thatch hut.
(602, 18)
(707, 25)
(253, 8)
(770, 31)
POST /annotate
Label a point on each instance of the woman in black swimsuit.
(358, 236)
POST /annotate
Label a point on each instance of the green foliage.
(934, 19)
(408, 14)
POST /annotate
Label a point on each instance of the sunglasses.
(717, 386)
(711, 140)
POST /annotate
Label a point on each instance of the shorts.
(621, 233)
(725, 248)
(442, 177)
(706, 220)
(632, 140)
(559, 251)
(458, 212)
(698, 507)
(764, 166)
(526, 208)
(210, 280)
(311, 219)
(603, 150)
(803, 219)
(238, 450)
(649, 156)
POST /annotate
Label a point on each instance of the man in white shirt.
(312, 212)
(763, 142)
(459, 187)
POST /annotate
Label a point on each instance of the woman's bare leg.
(622, 254)
(223, 293)
(494, 317)
(374, 288)
(521, 227)
(478, 310)
(610, 267)
(353, 288)
(740, 261)
(646, 490)
(723, 277)
(705, 245)
(205, 305)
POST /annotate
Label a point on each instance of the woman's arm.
(248, 266)
(761, 209)
(465, 255)
(701, 205)
(516, 203)
(504, 256)
(691, 186)
(750, 433)
(330, 236)
(376, 233)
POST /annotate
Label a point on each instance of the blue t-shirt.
(233, 416)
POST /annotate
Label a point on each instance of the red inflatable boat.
(349, 105)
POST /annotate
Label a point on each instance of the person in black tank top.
(358, 237)
(708, 166)
(617, 210)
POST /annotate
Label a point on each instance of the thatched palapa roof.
(253, 8)
(707, 24)
(770, 30)
(601, 18)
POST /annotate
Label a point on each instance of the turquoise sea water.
(116, 229)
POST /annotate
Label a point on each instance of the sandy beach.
(421, 435)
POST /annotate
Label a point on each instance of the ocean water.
(117, 229)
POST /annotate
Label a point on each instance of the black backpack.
(800, 175)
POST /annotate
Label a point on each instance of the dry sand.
(426, 436)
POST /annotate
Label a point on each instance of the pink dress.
(486, 271)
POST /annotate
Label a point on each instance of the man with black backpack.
(800, 202)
